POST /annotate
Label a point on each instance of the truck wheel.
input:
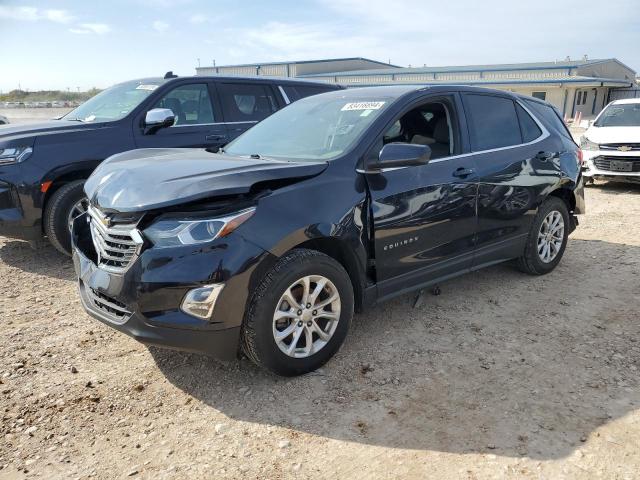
(547, 238)
(64, 205)
(299, 314)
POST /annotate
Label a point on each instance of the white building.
(573, 86)
(295, 69)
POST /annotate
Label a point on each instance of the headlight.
(587, 144)
(14, 154)
(170, 232)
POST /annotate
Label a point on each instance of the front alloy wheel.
(307, 316)
(298, 314)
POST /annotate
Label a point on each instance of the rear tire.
(545, 242)
(270, 314)
(58, 212)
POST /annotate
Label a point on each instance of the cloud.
(298, 41)
(198, 18)
(94, 28)
(160, 26)
(34, 14)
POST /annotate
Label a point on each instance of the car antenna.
(170, 74)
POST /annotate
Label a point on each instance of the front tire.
(299, 314)
(64, 205)
(547, 238)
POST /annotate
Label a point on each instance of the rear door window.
(191, 104)
(246, 102)
(493, 122)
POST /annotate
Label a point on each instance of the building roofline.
(299, 62)
(473, 68)
(613, 59)
(506, 82)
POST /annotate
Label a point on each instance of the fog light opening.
(201, 301)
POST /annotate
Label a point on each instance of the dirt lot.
(32, 115)
(501, 376)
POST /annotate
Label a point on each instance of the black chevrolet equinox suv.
(336, 202)
(43, 166)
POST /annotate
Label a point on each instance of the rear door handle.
(462, 172)
(213, 138)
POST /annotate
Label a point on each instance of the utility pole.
(198, 63)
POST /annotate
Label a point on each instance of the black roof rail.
(170, 74)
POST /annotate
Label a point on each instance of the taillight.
(580, 157)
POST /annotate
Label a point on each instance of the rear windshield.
(620, 115)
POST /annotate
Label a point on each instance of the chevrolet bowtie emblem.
(624, 148)
(102, 218)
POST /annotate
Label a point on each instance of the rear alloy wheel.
(547, 238)
(62, 208)
(299, 314)
(551, 236)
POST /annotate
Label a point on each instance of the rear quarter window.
(550, 117)
(530, 129)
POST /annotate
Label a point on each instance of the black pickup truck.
(43, 166)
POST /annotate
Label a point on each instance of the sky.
(79, 44)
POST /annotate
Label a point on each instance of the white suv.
(611, 146)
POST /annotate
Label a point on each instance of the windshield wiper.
(255, 156)
(74, 120)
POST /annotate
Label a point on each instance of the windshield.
(317, 128)
(620, 115)
(113, 103)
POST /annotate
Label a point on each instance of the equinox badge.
(400, 243)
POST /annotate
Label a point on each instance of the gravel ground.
(501, 376)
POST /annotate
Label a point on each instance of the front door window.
(191, 104)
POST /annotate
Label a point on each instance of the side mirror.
(158, 118)
(394, 155)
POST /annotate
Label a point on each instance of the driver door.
(198, 120)
(424, 216)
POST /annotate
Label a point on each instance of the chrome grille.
(627, 147)
(111, 308)
(116, 246)
(604, 163)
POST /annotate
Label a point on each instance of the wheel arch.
(62, 180)
(567, 196)
(340, 251)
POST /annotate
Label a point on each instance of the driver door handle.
(462, 172)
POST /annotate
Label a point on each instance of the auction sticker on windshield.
(146, 87)
(362, 106)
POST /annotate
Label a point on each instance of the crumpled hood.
(13, 134)
(602, 135)
(148, 179)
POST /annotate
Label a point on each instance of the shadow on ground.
(46, 260)
(616, 188)
(499, 363)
